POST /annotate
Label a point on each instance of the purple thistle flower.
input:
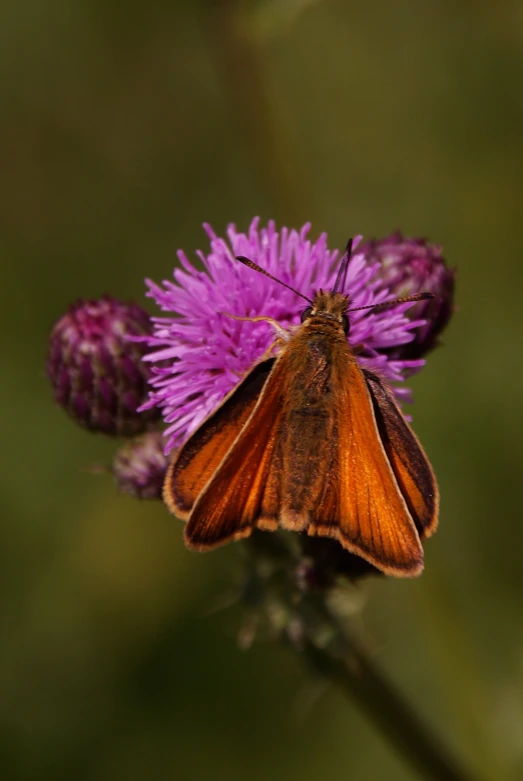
(199, 354)
(410, 266)
(97, 374)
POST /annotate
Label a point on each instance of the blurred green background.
(125, 126)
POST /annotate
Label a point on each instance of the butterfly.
(311, 442)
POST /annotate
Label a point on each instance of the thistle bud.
(97, 374)
(139, 466)
(409, 266)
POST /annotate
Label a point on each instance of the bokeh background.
(125, 126)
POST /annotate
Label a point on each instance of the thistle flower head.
(199, 354)
(139, 466)
(97, 374)
(408, 266)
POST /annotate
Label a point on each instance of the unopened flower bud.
(97, 374)
(139, 466)
(410, 266)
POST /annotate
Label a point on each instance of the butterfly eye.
(345, 324)
(306, 313)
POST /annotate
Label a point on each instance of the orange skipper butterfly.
(311, 442)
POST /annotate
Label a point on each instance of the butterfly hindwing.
(407, 458)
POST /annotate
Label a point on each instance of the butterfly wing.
(243, 492)
(407, 458)
(199, 458)
(361, 504)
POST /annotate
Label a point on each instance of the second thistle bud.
(139, 466)
(409, 266)
(96, 372)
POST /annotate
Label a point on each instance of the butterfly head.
(328, 306)
(332, 306)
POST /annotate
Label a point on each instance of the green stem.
(240, 53)
(391, 714)
(309, 623)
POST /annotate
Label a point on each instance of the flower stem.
(306, 619)
(240, 53)
(358, 678)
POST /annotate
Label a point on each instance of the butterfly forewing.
(361, 504)
(201, 455)
(244, 491)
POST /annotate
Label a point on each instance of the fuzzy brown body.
(310, 442)
(307, 421)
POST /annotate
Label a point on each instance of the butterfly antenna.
(253, 265)
(342, 271)
(406, 300)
